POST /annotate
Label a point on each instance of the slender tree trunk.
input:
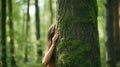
(27, 31)
(11, 31)
(51, 11)
(3, 33)
(116, 29)
(37, 19)
(78, 44)
(110, 51)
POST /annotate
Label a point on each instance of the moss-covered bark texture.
(77, 45)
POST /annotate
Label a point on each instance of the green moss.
(64, 22)
(72, 54)
(61, 44)
(75, 42)
(80, 46)
(73, 58)
(64, 59)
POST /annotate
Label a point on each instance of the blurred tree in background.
(24, 25)
(109, 35)
(116, 28)
(27, 38)
(3, 34)
(11, 35)
(37, 20)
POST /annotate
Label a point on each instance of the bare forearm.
(48, 55)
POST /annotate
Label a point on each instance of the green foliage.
(0, 63)
(19, 22)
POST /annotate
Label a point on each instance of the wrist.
(53, 43)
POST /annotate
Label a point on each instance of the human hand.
(55, 37)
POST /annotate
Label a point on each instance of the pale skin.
(48, 53)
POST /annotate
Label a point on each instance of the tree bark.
(11, 31)
(37, 19)
(109, 43)
(116, 29)
(3, 34)
(78, 43)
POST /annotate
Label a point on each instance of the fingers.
(53, 28)
(55, 38)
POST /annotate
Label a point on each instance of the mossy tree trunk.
(78, 44)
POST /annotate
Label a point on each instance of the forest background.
(27, 23)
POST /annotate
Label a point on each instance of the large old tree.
(78, 44)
